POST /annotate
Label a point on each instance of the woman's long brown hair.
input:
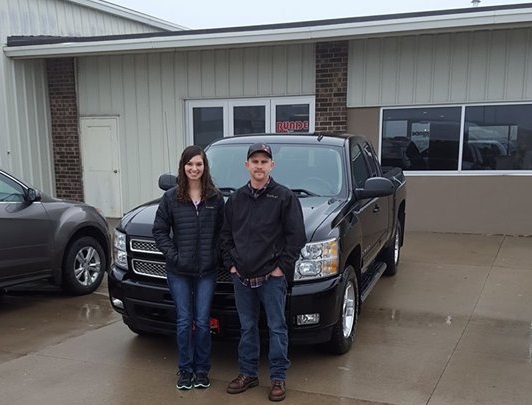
(207, 185)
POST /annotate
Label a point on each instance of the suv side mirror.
(33, 195)
(375, 187)
(167, 181)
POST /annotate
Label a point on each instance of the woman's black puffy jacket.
(187, 235)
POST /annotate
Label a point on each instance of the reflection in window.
(358, 166)
(208, 124)
(292, 118)
(249, 120)
(10, 191)
(421, 138)
(318, 170)
(498, 138)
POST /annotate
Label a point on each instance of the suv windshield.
(308, 170)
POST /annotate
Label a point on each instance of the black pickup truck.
(354, 219)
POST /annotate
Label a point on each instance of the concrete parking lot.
(453, 327)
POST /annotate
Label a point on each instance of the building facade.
(445, 95)
(26, 146)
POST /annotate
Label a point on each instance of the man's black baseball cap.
(260, 147)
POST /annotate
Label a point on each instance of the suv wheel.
(83, 266)
(343, 334)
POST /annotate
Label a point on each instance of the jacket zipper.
(197, 238)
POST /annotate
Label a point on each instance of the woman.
(186, 229)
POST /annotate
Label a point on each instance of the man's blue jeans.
(192, 298)
(272, 295)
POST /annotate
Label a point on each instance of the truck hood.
(316, 210)
(139, 221)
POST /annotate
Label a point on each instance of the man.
(262, 236)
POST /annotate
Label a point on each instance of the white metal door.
(101, 164)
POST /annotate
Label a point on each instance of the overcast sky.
(230, 13)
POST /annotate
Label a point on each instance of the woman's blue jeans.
(192, 298)
(272, 295)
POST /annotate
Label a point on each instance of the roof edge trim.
(128, 13)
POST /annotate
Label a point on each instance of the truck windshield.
(308, 170)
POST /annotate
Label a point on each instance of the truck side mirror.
(375, 187)
(167, 181)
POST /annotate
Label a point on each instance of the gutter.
(283, 33)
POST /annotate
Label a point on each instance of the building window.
(421, 138)
(292, 118)
(249, 119)
(207, 124)
(498, 137)
(494, 137)
(208, 120)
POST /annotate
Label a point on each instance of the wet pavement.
(453, 327)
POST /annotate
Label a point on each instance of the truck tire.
(391, 254)
(343, 334)
(83, 266)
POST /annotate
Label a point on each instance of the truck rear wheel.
(391, 254)
(343, 334)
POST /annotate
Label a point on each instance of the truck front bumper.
(146, 305)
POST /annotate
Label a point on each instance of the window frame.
(228, 104)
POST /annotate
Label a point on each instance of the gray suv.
(41, 237)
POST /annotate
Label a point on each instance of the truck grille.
(158, 270)
(149, 268)
(144, 246)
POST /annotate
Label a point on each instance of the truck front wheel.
(343, 333)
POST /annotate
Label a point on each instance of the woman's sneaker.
(202, 381)
(184, 382)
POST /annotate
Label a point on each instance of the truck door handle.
(376, 209)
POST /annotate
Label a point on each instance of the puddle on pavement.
(530, 344)
(396, 317)
(54, 315)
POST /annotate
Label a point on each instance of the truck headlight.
(318, 260)
(120, 253)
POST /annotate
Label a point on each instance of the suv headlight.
(120, 249)
(318, 260)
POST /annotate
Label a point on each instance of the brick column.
(65, 128)
(331, 87)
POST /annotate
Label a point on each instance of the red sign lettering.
(291, 126)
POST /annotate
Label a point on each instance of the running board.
(372, 279)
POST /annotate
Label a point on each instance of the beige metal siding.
(148, 93)
(482, 66)
(58, 17)
(469, 204)
(25, 147)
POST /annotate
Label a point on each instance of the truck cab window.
(359, 168)
(370, 156)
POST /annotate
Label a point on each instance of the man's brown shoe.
(278, 391)
(242, 383)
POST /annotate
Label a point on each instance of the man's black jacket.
(263, 232)
(189, 237)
